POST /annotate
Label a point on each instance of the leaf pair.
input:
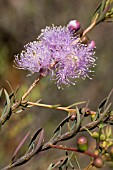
(30, 153)
(104, 12)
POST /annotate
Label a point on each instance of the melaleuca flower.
(59, 53)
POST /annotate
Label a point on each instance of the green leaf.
(108, 131)
(103, 4)
(73, 125)
(102, 15)
(102, 103)
(7, 109)
(96, 13)
(61, 124)
(108, 97)
(104, 12)
(8, 101)
(103, 115)
(75, 104)
(109, 14)
(78, 119)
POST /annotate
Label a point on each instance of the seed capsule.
(82, 143)
(96, 152)
(102, 137)
(95, 135)
(98, 162)
(87, 111)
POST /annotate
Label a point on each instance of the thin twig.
(73, 149)
(49, 106)
(31, 87)
(89, 28)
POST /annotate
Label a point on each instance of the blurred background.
(21, 21)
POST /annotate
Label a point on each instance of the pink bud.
(92, 45)
(73, 25)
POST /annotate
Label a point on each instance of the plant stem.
(31, 87)
(49, 106)
(73, 149)
(89, 28)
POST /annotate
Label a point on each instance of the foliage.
(98, 126)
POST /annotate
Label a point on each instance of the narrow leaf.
(35, 136)
(8, 101)
(102, 6)
(96, 13)
(1, 93)
(108, 98)
(41, 137)
(9, 85)
(103, 15)
(75, 104)
(62, 123)
(20, 145)
(7, 108)
(73, 125)
(78, 119)
(102, 103)
(97, 9)
(109, 15)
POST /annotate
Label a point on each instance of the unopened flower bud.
(98, 162)
(82, 143)
(73, 117)
(102, 137)
(92, 45)
(74, 26)
(95, 135)
(103, 145)
(87, 111)
(96, 152)
(92, 117)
